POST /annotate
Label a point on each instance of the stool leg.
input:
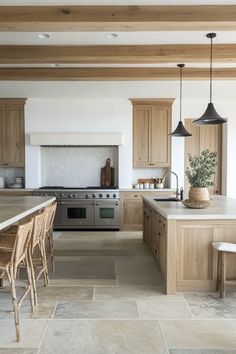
(218, 271)
(15, 304)
(222, 274)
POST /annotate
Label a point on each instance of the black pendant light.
(180, 129)
(210, 116)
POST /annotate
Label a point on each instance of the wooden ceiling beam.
(120, 54)
(117, 18)
(109, 74)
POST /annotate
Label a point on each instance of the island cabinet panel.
(181, 242)
(131, 208)
(151, 129)
(147, 226)
(12, 129)
(195, 253)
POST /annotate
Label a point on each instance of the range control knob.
(108, 195)
(114, 195)
(93, 195)
(87, 196)
(100, 195)
(61, 195)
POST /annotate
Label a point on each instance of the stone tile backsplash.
(76, 166)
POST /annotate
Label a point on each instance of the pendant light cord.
(211, 69)
(180, 93)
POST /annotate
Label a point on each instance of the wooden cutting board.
(107, 175)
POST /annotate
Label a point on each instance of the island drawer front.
(139, 194)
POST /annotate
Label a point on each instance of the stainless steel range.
(84, 208)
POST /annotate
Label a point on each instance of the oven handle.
(79, 203)
(106, 204)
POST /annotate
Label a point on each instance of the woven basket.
(197, 204)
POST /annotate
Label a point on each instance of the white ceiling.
(99, 38)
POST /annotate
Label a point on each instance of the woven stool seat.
(224, 246)
(7, 241)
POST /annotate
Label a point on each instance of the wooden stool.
(223, 248)
(51, 210)
(9, 263)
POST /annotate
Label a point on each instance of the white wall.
(115, 115)
(82, 115)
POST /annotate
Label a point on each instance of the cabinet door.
(160, 139)
(132, 214)
(1, 135)
(204, 137)
(13, 139)
(141, 135)
(211, 138)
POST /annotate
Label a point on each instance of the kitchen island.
(14, 209)
(180, 239)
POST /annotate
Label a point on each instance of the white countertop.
(221, 208)
(13, 208)
(148, 190)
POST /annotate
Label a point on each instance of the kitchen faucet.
(179, 194)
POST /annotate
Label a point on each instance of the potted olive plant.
(200, 174)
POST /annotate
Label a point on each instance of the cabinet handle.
(159, 233)
(217, 192)
(151, 164)
(17, 145)
(135, 195)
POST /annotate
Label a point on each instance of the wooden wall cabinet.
(12, 137)
(151, 128)
(205, 137)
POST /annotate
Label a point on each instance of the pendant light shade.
(180, 130)
(210, 116)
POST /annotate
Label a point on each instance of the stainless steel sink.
(170, 199)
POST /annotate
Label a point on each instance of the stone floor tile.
(18, 351)
(197, 334)
(209, 306)
(84, 269)
(44, 310)
(133, 293)
(79, 282)
(65, 293)
(103, 337)
(96, 310)
(138, 274)
(202, 351)
(32, 332)
(163, 310)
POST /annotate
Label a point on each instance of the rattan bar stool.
(9, 263)
(38, 243)
(49, 233)
(223, 248)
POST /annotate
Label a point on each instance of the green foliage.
(201, 169)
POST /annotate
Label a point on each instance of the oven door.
(77, 212)
(107, 213)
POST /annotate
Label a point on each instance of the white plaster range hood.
(76, 139)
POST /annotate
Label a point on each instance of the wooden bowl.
(197, 204)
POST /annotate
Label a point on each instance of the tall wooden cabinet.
(12, 137)
(151, 128)
(205, 137)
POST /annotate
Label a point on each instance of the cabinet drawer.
(132, 195)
